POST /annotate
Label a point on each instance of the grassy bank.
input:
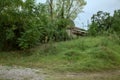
(83, 54)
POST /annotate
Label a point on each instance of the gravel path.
(20, 73)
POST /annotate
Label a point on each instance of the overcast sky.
(92, 7)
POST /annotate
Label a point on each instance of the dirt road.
(20, 73)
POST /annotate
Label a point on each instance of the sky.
(92, 7)
(42, 1)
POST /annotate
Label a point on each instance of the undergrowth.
(83, 54)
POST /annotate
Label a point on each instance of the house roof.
(77, 31)
(75, 28)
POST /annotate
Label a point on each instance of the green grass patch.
(83, 54)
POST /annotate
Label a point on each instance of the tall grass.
(83, 54)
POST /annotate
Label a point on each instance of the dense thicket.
(103, 23)
(23, 23)
(18, 26)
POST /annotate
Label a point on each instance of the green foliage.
(93, 29)
(23, 24)
(99, 54)
(20, 24)
(103, 23)
(71, 55)
(29, 38)
(100, 22)
(14, 22)
(116, 20)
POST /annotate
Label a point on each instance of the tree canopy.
(65, 8)
(24, 23)
(103, 22)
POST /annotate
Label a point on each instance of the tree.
(116, 21)
(21, 23)
(103, 22)
(102, 19)
(62, 14)
(67, 9)
(9, 11)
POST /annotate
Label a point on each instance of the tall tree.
(67, 9)
(102, 23)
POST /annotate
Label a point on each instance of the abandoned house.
(76, 32)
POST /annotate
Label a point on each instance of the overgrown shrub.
(20, 24)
